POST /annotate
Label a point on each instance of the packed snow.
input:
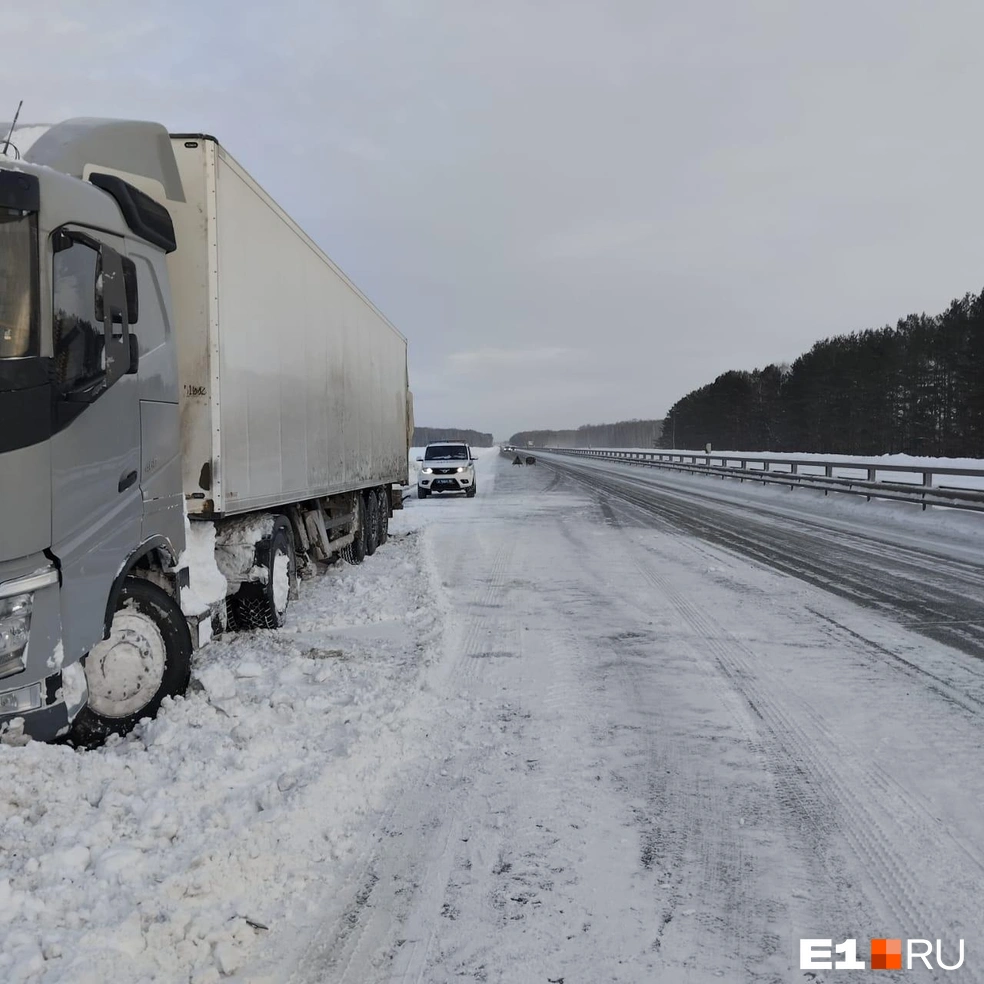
(207, 585)
(535, 737)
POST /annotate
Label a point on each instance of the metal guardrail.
(786, 471)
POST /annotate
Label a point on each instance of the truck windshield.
(18, 275)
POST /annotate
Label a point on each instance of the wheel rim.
(125, 671)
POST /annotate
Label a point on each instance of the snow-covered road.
(548, 734)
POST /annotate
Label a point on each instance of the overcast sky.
(575, 211)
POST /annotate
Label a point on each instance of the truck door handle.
(126, 480)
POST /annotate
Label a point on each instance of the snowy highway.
(931, 584)
(671, 762)
(593, 725)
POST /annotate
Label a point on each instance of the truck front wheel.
(146, 658)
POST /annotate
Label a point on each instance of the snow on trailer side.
(293, 385)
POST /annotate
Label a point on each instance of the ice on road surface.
(546, 734)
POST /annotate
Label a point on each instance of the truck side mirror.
(134, 355)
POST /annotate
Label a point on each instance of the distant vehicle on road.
(448, 466)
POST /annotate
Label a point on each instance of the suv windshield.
(456, 452)
(18, 311)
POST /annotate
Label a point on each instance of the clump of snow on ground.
(168, 852)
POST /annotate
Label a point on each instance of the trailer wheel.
(146, 658)
(383, 496)
(355, 552)
(263, 604)
(372, 522)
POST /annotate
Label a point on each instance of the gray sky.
(575, 211)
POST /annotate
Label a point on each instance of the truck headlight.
(15, 627)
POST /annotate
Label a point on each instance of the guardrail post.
(872, 476)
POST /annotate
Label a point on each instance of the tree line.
(423, 436)
(623, 434)
(915, 388)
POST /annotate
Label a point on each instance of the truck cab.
(90, 483)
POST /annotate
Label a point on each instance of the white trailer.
(293, 385)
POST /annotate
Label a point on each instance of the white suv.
(446, 467)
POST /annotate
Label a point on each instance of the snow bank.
(165, 855)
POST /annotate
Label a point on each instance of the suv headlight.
(15, 627)
(427, 471)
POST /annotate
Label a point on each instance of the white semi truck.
(173, 348)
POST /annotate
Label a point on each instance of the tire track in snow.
(879, 829)
(710, 869)
(469, 643)
(357, 937)
(942, 598)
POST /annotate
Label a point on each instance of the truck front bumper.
(43, 711)
(39, 695)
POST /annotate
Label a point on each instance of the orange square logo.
(886, 954)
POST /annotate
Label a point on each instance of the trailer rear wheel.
(383, 496)
(146, 658)
(263, 604)
(372, 522)
(355, 552)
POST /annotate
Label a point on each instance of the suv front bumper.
(453, 482)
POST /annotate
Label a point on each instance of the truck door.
(95, 460)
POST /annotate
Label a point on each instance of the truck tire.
(355, 552)
(372, 522)
(146, 658)
(263, 604)
(384, 514)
